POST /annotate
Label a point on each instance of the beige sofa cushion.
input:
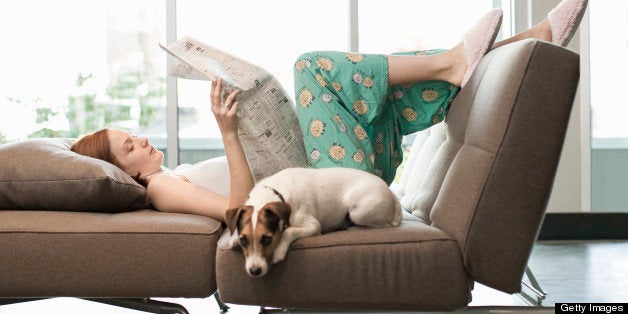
(419, 178)
(413, 266)
(491, 178)
(43, 174)
(125, 255)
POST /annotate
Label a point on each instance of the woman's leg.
(451, 65)
(448, 66)
(349, 104)
(558, 27)
(540, 31)
(349, 112)
(410, 107)
(338, 95)
(454, 66)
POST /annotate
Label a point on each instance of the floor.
(567, 271)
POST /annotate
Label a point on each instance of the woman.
(371, 128)
(167, 190)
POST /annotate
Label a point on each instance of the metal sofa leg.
(146, 305)
(533, 286)
(263, 310)
(7, 301)
(223, 307)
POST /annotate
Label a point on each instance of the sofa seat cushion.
(413, 266)
(136, 254)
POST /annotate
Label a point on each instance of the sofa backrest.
(485, 174)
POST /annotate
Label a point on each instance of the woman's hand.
(240, 178)
(225, 113)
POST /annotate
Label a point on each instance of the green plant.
(132, 96)
(134, 85)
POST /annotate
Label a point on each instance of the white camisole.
(212, 174)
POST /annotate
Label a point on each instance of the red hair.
(96, 145)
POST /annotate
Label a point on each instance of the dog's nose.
(255, 271)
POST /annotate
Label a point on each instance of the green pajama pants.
(350, 117)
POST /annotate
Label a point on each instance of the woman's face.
(134, 154)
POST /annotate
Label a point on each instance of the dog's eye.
(244, 242)
(266, 240)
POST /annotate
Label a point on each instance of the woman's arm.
(240, 178)
(169, 193)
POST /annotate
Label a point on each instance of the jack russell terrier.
(301, 202)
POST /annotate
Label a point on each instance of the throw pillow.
(44, 174)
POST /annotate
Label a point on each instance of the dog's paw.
(280, 253)
(228, 241)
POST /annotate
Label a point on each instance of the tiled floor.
(568, 271)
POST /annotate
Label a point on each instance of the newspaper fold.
(268, 127)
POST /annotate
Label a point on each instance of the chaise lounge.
(476, 185)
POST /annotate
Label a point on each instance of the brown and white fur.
(301, 202)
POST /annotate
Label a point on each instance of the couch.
(475, 187)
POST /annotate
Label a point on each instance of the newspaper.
(267, 123)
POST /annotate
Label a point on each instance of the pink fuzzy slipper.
(479, 39)
(564, 20)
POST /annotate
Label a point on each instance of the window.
(76, 66)
(609, 130)
(272, 40)
(407, 25)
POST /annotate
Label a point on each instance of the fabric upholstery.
(483, 178)
(487, 183)
(412, 266)
(133, 255)
(43, 174)
(423, 172)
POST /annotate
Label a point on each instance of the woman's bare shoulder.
(165, 181)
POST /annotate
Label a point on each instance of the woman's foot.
(457, 69)
(455, 65)
(564, 20)
(478, 40)
(559, 26)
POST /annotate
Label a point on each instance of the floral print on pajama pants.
(350, 117)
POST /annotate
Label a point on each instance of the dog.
(301, 202)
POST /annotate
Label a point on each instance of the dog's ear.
(281, 210)
(232, 217)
